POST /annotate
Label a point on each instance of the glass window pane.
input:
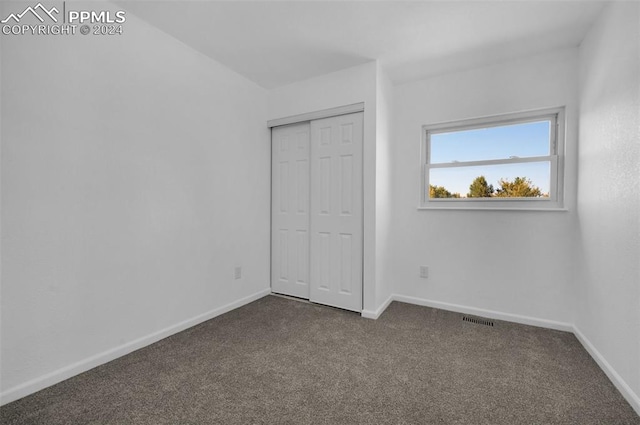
(507, 141)
(521, 180)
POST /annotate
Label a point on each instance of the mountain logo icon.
(43, 11)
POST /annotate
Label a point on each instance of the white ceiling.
(275, 43)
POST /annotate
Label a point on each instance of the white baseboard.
(507, 317)
(620, 384)
(525, 320)
(67, 372)
(370, 314)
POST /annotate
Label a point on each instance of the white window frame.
(556, 158)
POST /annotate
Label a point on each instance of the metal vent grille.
(477, 320)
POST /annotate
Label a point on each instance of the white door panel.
(290, 210)
(336, 211)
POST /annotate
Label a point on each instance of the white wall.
(608, 288)
(513, 264)
(384, 175)
(346, 87)
(133, 181)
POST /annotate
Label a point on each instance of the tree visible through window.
(513, 157)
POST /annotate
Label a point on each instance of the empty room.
(421, 212)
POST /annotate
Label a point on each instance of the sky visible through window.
(508, 141)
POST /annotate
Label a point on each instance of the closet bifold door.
(290, 210)
(336, 211)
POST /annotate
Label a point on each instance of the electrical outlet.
(237, 273)
(424, 272)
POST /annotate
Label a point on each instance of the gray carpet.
(278, 361)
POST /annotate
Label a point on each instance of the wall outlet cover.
(424, 272)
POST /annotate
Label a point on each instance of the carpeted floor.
(278, 361)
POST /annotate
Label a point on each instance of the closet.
(317, 209)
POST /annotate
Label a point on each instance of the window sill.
(468, 208)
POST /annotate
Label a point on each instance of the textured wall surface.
(608, 285)
(515, 262)
(133, 181)
(384, 176)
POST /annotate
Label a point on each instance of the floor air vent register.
(477, 320)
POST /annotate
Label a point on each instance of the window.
(503, 162)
